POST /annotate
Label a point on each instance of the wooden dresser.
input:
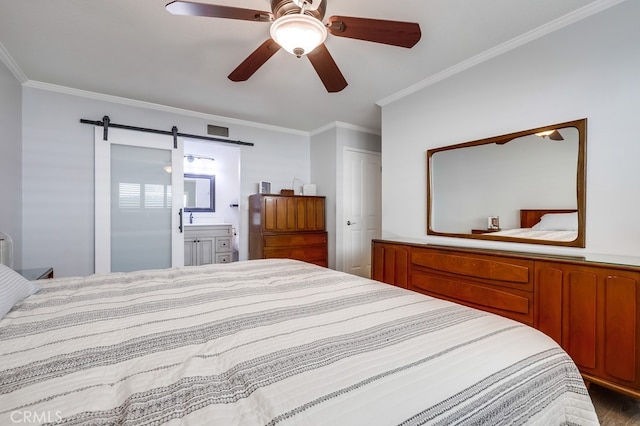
(288, 226)
(589, 306)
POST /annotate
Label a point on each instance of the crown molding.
(325, 128)
(566, 20)
(17, 72)
(343, 125)
(157, 107)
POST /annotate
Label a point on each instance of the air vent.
(217, 130)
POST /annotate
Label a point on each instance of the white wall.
(323, 174)
(225, 168)
(589, 69)
(327, 153)
(11, 160)
(58, 181)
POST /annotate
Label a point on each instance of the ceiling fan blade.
(213, 11)
(254, 61)
(395, 33)
(327, 69)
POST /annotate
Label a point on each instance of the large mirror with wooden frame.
(526, 187)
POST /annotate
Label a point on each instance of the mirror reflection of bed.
(547, 224)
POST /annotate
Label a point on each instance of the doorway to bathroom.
(217, 166)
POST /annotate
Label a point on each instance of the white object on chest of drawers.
(206, 244)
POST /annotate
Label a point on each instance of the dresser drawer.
(499, 271)
(223, 244)
(291, 240)
(511, 303)
(223, 258)
(301, 253)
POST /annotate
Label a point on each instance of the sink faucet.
(191, 217)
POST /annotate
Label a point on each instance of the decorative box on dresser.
(590, 306)
(288, 226)
(207, 244)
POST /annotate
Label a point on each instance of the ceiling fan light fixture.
(298, 34)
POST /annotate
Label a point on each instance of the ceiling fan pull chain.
(303, 7)
(304, 4)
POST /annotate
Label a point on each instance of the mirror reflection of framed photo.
(265, 187)
(493, 223)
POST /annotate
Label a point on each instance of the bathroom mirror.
(527, 186)
(199, 193)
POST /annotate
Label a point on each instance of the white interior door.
(138, 201)
(362, 208)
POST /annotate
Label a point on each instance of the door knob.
(350, 223)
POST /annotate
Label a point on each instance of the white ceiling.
(135, 49)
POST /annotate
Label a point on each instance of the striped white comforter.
(273, 342)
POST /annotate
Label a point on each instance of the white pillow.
(557, 222)
(13, 288)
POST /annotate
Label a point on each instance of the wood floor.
(615, 409)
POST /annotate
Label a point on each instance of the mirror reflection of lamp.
(554, 135)
(6, 250)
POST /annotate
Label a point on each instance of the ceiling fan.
(296, 26)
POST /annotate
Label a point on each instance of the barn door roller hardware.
(106, 124)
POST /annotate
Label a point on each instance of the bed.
(273, 342)
(547, 224)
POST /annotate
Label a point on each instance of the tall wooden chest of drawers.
(288, 226)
